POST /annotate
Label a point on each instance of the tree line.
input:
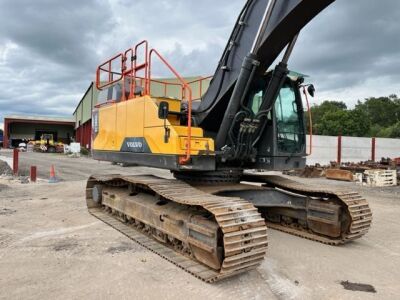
(373, 117)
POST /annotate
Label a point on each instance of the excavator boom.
(262, 34)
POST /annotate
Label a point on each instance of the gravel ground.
(50, 247)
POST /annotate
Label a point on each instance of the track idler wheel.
(97, 194)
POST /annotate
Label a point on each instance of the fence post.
(373, 147)
(339, 149)
(33, 173)
(15, 161)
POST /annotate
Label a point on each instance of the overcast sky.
(49, 49)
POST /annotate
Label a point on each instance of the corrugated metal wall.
(83, 112)
(83, 134)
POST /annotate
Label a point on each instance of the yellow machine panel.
(105, 139)
(138, 119)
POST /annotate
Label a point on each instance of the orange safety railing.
(129, 53)
(200, 81)
(145, 65)
(134, 68)
(166, 84)
(107, 69)
(128, 74)
(185, 87)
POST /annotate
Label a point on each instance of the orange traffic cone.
(53, 178)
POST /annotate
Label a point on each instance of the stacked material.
(377, 178)
(386, 172)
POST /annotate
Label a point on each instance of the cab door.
(289, 122)
(283, 145)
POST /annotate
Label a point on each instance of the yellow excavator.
(211, 220)
(47, 144)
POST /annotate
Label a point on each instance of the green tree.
(344, 122)
(319, 111)
(1, 131)
(382, 111)
(395, 130)
(379, 117)
(375, 130)
(391, 131)
(332, 123)
(358, 123)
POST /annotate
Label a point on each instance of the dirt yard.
(51, 248)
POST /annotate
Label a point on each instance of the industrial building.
(82, 116)
(23, 128)
(164, 87)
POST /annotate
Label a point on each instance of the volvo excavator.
(211, 220)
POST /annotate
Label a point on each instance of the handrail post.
(149, 69)
(185, 86)
(109, 71)
(146, 82)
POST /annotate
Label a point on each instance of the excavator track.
(356, 206)
(243, 230)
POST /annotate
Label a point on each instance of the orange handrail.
(108, 70)
(128, 53)
(144, 66)
(200, 85)
(189, 83)
(185, 86)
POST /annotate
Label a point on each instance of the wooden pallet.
(377, 177)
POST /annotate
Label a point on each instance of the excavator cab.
(282, 145)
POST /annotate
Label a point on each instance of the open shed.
(19, 129)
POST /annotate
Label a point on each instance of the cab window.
(290, 130)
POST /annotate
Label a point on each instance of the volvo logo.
(134, 144)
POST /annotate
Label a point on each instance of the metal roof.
(41, 118)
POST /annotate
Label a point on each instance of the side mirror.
(163, 109)
(311, 90)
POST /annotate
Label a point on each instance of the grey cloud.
(53, 57)
(60, 31)
(351, 42)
